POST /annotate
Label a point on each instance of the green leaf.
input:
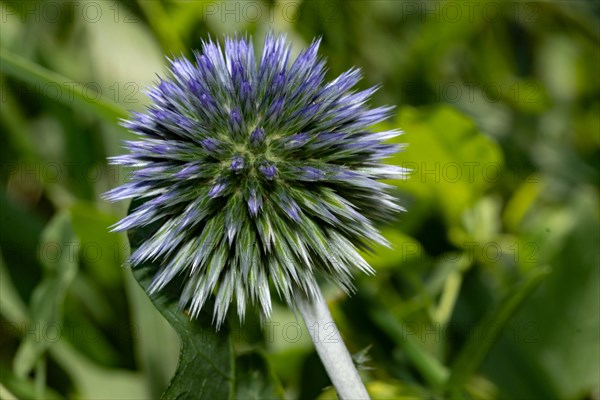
(12, 387)
(553, 349)
(403, 250)
(20, 232)
(103, 251)
(158, 353)
(93, 381)
(206, 362)
(473, 354)
(11, 306)
(255, 379)
(165, 29)
(90, 380)
(452, 162)
(60, 262)
(23, 69)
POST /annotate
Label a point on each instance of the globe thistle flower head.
(260, 174)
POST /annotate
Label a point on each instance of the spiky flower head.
(260, 173)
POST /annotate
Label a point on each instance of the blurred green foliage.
(492, 288)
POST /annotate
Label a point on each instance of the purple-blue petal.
(254, 203)
(268, 170)
(237, 163)
(217, 189)
(210, 144)
(188, 171)
(257, 137)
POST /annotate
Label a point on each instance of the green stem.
(431, 369)
(474, 352)
(23, 69)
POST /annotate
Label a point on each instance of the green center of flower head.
(253, 156)
(258, 173)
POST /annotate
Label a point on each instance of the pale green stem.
(431, 369)
(448, 298)
(6, 394)
(40, 378)
(331, 348)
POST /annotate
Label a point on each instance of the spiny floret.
(258, 172)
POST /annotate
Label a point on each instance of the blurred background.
(492, 288)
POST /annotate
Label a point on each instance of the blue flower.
(260, 173)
